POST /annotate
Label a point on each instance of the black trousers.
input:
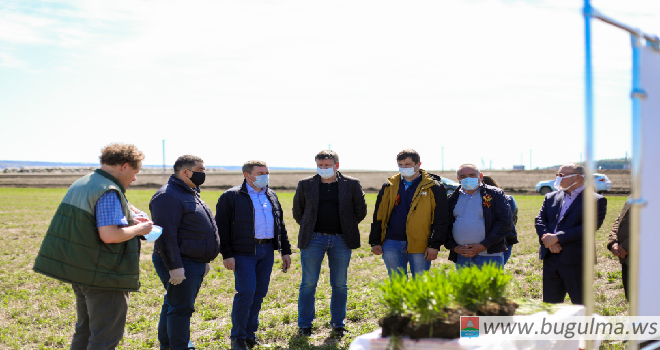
(624, 279)
(559, 279)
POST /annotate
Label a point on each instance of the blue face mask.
(407, 172)
(261, 181)
(470, 183)
(326, 173)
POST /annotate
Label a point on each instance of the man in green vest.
(92, 243)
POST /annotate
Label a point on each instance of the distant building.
(518, 167)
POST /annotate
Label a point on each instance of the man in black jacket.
(481, 220)
(182, 253)
(328, 206)
(251, 226)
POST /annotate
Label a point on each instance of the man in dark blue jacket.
(559, 226)
(182, 253)
(251, 226)
(481, 220)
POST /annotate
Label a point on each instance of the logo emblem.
(423, 193)
(469, 326)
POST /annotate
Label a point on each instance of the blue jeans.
(478, 260)
(251, 279)
(178, 303)
(396, 257)
(507, 254)
(311, 258)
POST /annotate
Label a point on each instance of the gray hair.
(250, 164)
(577, 168)
(471, 166)
(327, 154)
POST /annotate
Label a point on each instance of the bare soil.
(446, 327)
(513, 181)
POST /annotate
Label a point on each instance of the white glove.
(177, 276)
(207, 269)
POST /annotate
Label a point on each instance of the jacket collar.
(425, 182)
(176, 181)
(111, 178)
(244, 187)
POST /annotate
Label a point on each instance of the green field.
(39, 313)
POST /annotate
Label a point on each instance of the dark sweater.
(327, 220)
(396, 230)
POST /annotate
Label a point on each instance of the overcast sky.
(230, 81)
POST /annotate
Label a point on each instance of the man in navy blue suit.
(559, 226)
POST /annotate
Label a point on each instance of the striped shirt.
(264, 222)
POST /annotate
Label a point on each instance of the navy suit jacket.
(569, 228)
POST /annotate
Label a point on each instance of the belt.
(262, 241)
(329, 234)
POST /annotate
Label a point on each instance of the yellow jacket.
(428, 218)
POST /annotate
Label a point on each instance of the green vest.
(72, 250)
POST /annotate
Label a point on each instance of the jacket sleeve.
(614, 233)
(299, 203)
(502, 221)
(359, 203)
(541, 221)
(224, 212)
(440, 224)
(376, 225)
(284, 237)
(450, 242)
(166, 212)
(574, 234)
(514, 210)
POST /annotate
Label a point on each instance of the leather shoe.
(339, 331)
(238, 344)
(252, 342)
(305, 332)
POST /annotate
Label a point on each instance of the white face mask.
(558, 183)
(407, 172)
(326, 173)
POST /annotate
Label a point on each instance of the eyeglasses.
(562, 174)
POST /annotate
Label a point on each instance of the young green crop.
(426, 295)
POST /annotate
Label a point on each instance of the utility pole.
(329, 148)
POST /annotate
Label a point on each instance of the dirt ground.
(514, 181)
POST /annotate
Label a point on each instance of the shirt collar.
(575, 192)
(461, 191)
(252, 190)
(418, 176)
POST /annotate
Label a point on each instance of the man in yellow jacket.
(411, 218)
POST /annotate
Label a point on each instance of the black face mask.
(198, 178)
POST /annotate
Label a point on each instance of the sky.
(471, 81)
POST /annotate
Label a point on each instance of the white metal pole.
(589, 220)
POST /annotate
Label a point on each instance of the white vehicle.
(603, 184)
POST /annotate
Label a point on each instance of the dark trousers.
(560, 278)
(101, 318)
(251, 280)
(624, 279)
(178, 303)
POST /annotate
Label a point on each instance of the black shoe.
(339, 331)
(238, 344)
(305, 332)
(252, 342)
